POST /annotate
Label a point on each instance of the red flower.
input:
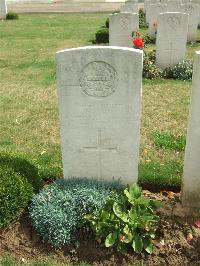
(197, 223)
(138, 43)
(155, 24)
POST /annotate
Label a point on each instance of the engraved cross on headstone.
(100, 147)
(171, 51)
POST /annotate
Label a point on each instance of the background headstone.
(152, 13)
(121, 26)
(174, 6)
(194, 13)
(150, 2)
(3, 9)
(171, 39)
(99, 92)
(191, 172)
(130, 6)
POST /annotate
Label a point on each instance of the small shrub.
(147, 39)
(102, 36)
(127, 220)
(107, 23)
(15, 193)
(181, 71)
(142, 19)
(58, 210)
(23, 167)
(150, 71)
(12, 15)
(168, 141)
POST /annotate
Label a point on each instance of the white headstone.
(121, 26)
(150, 2)
(152, 13)
(171, 39)
(194, 13)
(196, 2)
(3, 9)
(174, 6)
(130, 7)
(191, 172)
(99, 91)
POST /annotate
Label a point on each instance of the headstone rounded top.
(126, 49)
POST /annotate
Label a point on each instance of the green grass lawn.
(29, 111)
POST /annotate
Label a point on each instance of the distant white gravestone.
(191, 173)
(130, 6)
(3, 9)
(121, 26)
(152, 13)
(174, 6)
(194, 13)
(99, 91)
(171, 39)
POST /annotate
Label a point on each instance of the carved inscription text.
(98, 79)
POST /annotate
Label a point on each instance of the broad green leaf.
(133, 215)
(110, 239)
(127, 236)
(143, 200)
(104, 215)
(137, 244)
(148, 245)
(119, 212)
(133, 193)
(126, 230)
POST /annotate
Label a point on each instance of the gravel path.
(63, 6)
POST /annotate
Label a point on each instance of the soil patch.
(178, 241)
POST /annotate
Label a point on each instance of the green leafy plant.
(150, 71)
(12, 15)
(58, 210)
(102, 36)
(181, 71)
(107, 23)
(15, 193)
(142, 19)
(169, 141)
(21, 165)
(127, 220)
(147, 39)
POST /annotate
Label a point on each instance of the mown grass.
(8, 260)
(29, 111)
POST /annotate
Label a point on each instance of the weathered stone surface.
(191, 173)
(130, 6)
(171, 38)
(193, 10)
(99, 92)
(152, 13)
(174, 6)
(121, 26)
(3, 9)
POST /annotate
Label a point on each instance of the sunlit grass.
(29, 108)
